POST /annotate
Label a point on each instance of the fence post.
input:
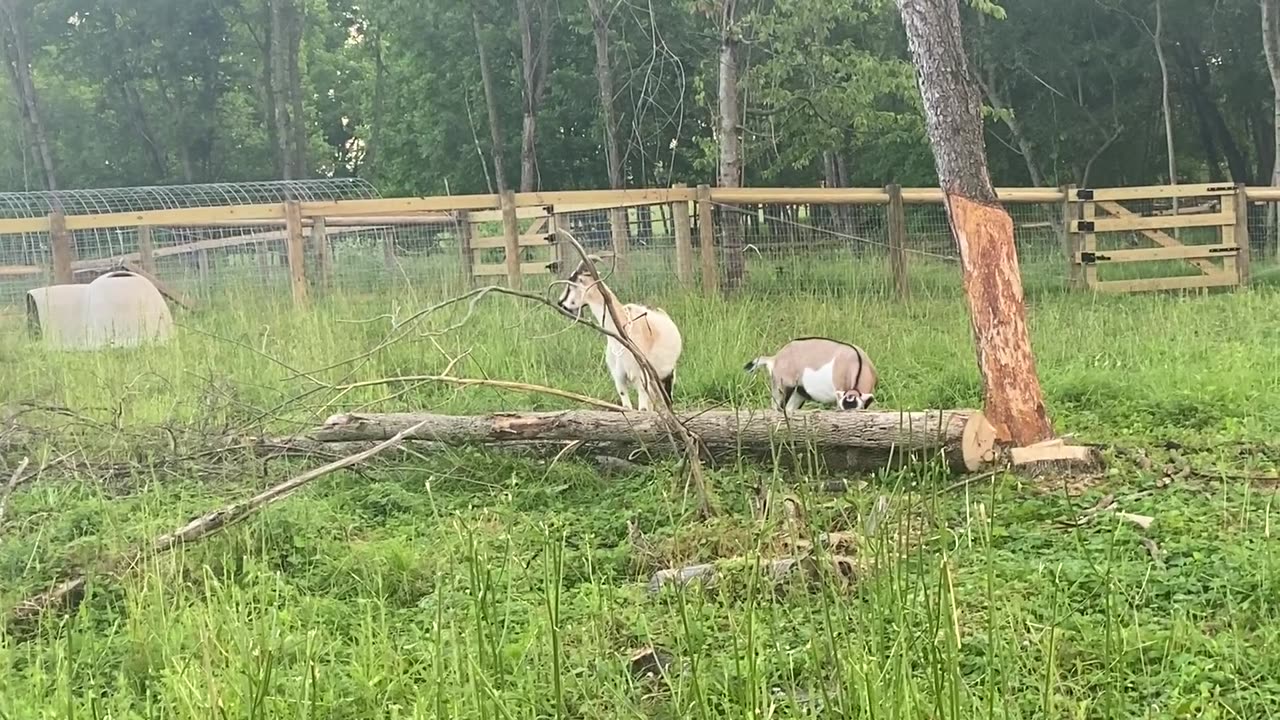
(707, 241)
(1069, 238)
(296, 251)
(684, 237)
(1242, 233)
(146, 250)
(511, 238)
(897, 217)
(324, 255)
(561, 254)
(61, 248)
(619, 231)
(466, 255)
(202, 268)
(389, 251)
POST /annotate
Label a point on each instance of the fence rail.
(704, 232)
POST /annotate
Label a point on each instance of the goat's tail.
(753, 365)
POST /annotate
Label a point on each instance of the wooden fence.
(301, 223)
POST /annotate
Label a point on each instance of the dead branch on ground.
(70, 591)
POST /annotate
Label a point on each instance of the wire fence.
(820, 249)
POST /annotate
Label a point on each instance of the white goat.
(651, 329)
(822, 370)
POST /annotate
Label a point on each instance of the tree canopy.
(141, 92)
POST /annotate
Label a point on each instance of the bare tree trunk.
(604, 79)
(491, 102)
(371, 156)
(1015, 128)
(1158, 38)
(534, 62)
(984, 231)
(609, 116)
(278, 51)
(1271, 46)
(18, 62)
(297, 114)
(730, 171)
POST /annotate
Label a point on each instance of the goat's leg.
(779, 397)
(624, 393)
(642, 396)
(619, 376)
(795, 401)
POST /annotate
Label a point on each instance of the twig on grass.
(70, 591)
(14, 480)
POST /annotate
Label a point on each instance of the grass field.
(475, 585)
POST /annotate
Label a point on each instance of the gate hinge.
(1084, 194)
(1084, 226)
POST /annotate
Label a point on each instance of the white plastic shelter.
(118, 309)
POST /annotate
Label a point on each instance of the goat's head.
(853, 400)
(580, 289)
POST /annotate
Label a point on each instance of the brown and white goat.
(822, 370)
(651, 329)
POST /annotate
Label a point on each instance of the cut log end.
(1055, 457)
(978, 443)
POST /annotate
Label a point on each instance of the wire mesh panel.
(201, 261)
(838, 249)
(637, 244)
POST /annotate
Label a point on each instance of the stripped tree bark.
(1013, 399)
(491, 104)
(534, 60)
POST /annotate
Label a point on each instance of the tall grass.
(468, 584)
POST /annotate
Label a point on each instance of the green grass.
(469, 584)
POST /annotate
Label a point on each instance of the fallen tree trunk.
(843, 440)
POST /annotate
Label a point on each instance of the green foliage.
(454, 584)
(155, 91)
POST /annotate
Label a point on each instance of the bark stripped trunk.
(534, 63)
(18, 63)
(984, 231)
(1271, 46)
(491, 104)
(730, 171)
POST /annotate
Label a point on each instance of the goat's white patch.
(819, 384)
